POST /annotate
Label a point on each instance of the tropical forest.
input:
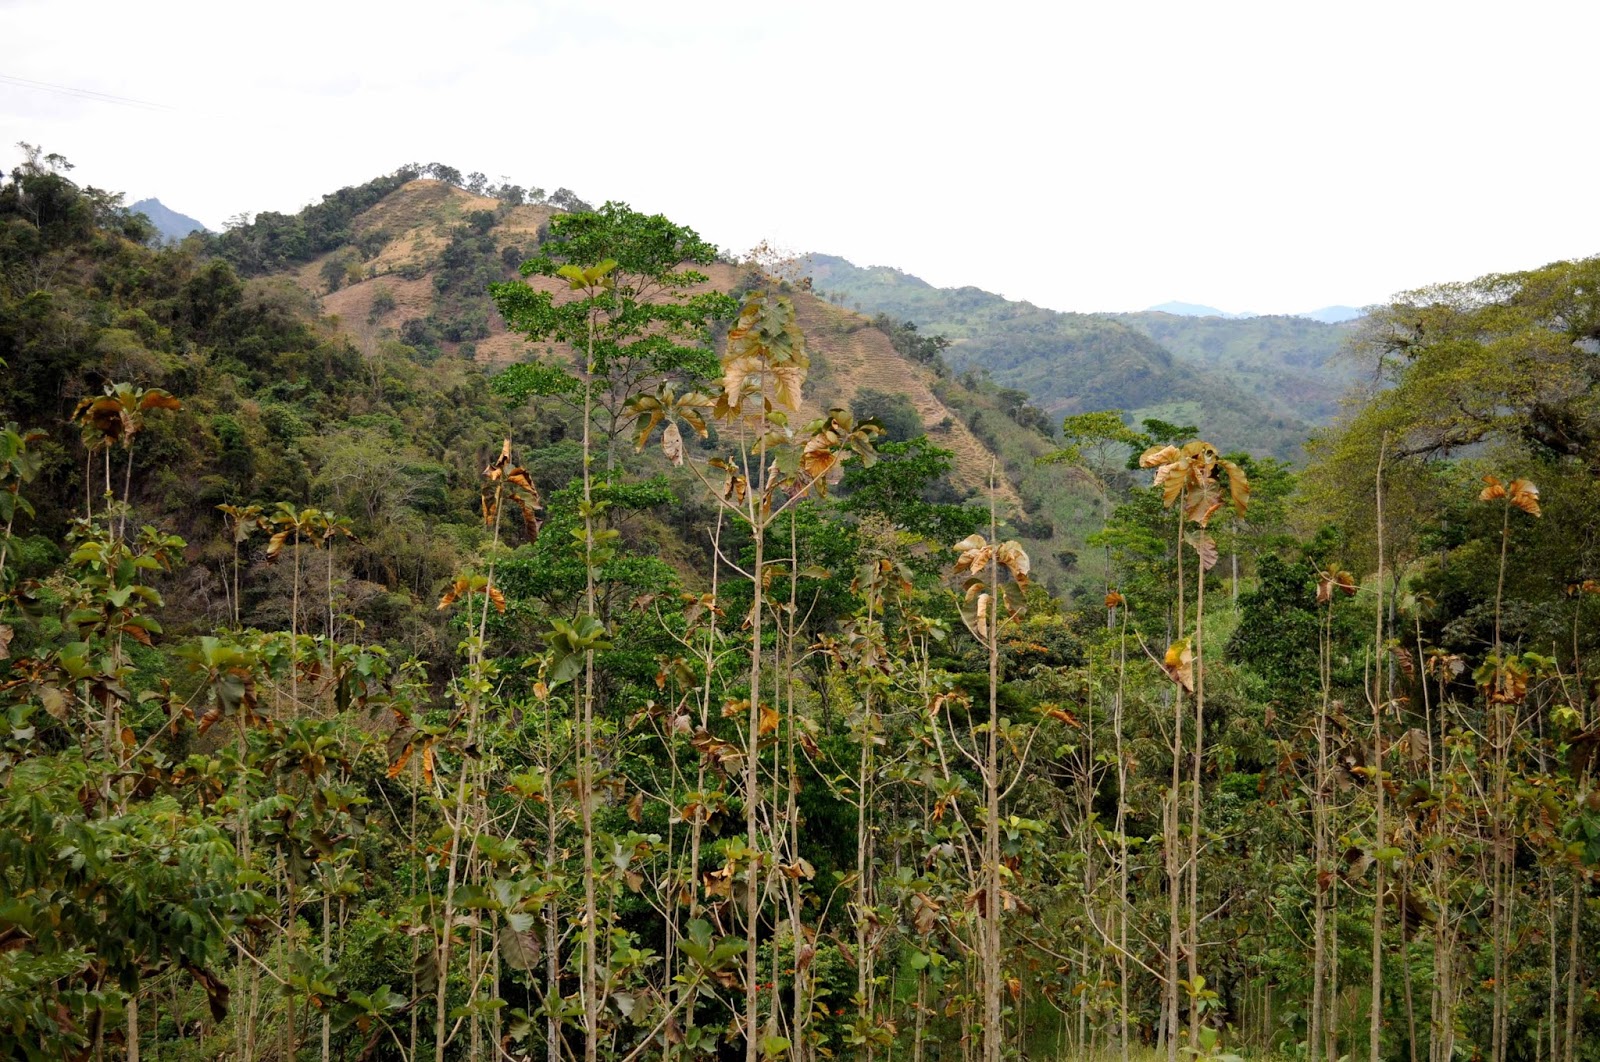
(462, 622)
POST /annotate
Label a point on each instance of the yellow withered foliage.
(1519, 492)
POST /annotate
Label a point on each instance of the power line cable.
(82, 93)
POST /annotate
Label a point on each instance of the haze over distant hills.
(1327, 314)
(172, 225)
(1194, 309)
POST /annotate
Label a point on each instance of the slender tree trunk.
(457, 817)
(294, 632)
(752, 781)
(1330, 1022)
(1498, 918)
(1194, 796)
(127, 495)
(447, 913)
(590, 980)
(5, 547)
(552, 932)
(993, 1027)
(1375, 1009)
(327, 957)
(1405, 963)
(1551, 1009)
(1122, 840)
(863, 890)
(1319, 831)
(1570, 1039)
(1175, 879)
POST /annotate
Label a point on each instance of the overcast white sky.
(1086, 156)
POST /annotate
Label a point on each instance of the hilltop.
(172, 225)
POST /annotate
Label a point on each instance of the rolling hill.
(1288, 363)
(1068, 362)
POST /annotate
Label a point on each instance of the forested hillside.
(404, 267)
(1292, 365)
(456, 623)
(1067, 362)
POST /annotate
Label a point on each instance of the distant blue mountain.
(172, 225)
(1190, 309)
(1334, 314)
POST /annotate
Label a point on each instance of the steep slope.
(1068, 362)
(1289, 363)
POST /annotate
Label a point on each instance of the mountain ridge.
(1067, 362)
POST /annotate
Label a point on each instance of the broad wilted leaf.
(1014, 559)
(786, 383)
(1171, 479)
(401, 760)
(719, 882)
(519, 950)
(215, 988)
(672, 444)
(818, 459)
(1238, 486)
(276, 543)
(800, 868)
(924, 913)
(1205, 547)
(1331, 580)
(1202, 502)
(1157, 456)
(1519, 492)
(1179, 664)
(1064, 716)
(974, 554)
(1524, 495)
(528, 505)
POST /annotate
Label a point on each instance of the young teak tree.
(1191, 481)
(763, 370)
(116, 418)
(1505, 682)
(986, 604)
